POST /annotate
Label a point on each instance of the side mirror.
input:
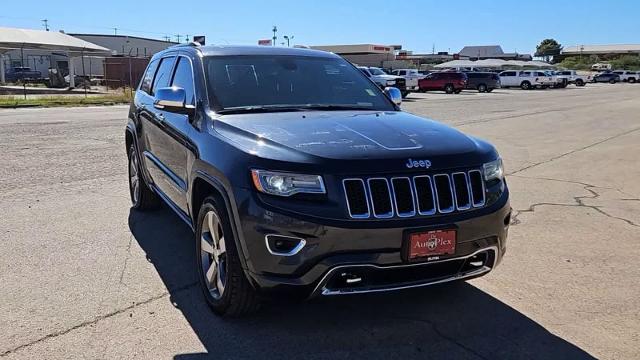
(394, 94)
(173, 99)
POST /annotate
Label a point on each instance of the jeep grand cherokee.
(301, 178)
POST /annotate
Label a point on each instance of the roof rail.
(190, 44)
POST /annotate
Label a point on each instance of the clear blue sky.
(416, 25)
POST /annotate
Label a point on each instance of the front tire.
(482, 88)
(612, 81)
(142, 197)
(579, 82)
(449, 89)
(632, 80)
(525, 85)
(222, 279)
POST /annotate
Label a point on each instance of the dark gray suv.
(300, 177)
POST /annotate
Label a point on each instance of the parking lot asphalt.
(83, 276)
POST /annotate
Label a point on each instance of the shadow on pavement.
(454, 321)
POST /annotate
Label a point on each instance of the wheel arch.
(204, 185)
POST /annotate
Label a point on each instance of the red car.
(449, 82)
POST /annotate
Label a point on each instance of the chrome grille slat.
(357, 215)
(381, 200)
(397, 193)
(462, 202)
(421, 195)
(473, 175)
(428, 192)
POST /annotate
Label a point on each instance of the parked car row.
(453, 82)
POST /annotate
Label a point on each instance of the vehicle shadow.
(455, 321)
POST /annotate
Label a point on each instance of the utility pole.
(166, 38)
(186, 38)
(115, 31)
(275, 30)
(288, 38)
(45, 22)
(177, 37)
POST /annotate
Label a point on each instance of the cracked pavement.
(84, 277)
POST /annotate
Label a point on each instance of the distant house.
(490, 52)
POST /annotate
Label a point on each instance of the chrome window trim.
(395, 198)
(433, 195)
(437, 197)
(455, 194)
(373, 206)
(484, 191)
(366, 198)
(301, 244)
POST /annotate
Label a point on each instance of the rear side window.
(508, 73)
(145, 83)
(163, 75)
(473, 75)
(183, 77)
(402, 72)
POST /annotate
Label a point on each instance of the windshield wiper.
(259, 109)
(291, 107)
(337, 107)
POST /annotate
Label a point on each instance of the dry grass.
(65, 101)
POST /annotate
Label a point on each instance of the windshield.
(376, 71)
(281, 82)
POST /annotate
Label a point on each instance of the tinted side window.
(163, 75)
(473, 75)
(402, 72)
(508, 73)
(183, 77)
(145, 83)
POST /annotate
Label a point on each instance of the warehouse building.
(490, 52)
(363, 54)
(602, 51)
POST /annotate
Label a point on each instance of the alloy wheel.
(213, 254)
(134, 178)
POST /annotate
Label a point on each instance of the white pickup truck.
(526, 79)
(573, 77)
(627, 76)
(411, 76)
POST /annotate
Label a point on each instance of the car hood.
(362, 136)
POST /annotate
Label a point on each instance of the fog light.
(282, 245)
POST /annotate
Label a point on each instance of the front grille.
(420, 195)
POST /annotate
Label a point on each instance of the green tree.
(548, 48)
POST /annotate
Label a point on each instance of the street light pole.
(288, 38)
(275, 30)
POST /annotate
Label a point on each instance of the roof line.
(123, 36)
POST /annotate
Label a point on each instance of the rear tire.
(142, 197)
(449, 89)
(222, 279)
(482, 88)
(525, 85)
(579, 82)
(632, 80)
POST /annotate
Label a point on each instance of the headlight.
(493, 170)
(286, 184)
(391, 82)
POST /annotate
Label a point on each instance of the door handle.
(160, 117)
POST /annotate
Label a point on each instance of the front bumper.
(336, 251)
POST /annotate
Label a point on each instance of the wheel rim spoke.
(212, 276)
(206, 243)
(212, 251)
